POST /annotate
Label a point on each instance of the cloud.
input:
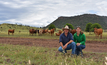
(43, 12)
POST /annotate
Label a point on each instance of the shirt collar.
(79, 34)
(67, 35)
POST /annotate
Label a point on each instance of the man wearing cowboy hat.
(66, 41)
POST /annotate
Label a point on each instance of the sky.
(40, 13)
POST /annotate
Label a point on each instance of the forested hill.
(81, 20)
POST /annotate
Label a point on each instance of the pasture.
(24, 49)
(25, 34)
(32, 55)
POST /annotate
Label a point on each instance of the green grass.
(20, 55)
(25, 34)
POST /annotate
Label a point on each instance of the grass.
(31, 55)
(25, 34)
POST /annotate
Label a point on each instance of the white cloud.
(43, 12)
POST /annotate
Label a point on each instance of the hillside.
(6, 26)
(81, 20)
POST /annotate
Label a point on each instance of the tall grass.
(21, 55)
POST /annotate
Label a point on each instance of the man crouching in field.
(66, 41)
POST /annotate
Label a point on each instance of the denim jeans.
(69, 46)
(79, 49)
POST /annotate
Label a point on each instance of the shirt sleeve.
(83, 40)
(60, 39)
(75, 39)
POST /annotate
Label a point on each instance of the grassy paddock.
(25, 34)
(27, 55)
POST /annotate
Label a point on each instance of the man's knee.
(60, 49)
(73, 43)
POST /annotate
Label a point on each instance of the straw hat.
(66, 27)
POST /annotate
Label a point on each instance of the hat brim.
(65, 29)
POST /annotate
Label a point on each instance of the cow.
(73, 31)
(49, 31)
(45, 31)
(98, 32)
(59, 33)
(32, 31)
(52, 31)
(10, 31)
(40, 32)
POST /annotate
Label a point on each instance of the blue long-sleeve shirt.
(64, 39)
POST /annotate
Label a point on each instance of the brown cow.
(52, 31)
(98, 32)
(59, 33)
(10, 31)
(32, 31)
(45, 31)
(73, 31)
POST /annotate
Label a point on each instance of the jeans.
(79, 49)
(69, 46)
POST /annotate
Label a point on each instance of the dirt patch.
(93, 46)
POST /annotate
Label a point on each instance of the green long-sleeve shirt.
(79, 39)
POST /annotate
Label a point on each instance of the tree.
(51, 26)
(10, 27)
(95, 25)
(69, 25)
(88, 27)
(1, 28)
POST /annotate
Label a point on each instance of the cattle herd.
(51, 32)
(46, 31)
(43, 31)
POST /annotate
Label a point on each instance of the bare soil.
(93, 46)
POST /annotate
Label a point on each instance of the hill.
(6, 26)
(80, 20)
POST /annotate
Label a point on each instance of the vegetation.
(96, 25)
(80, 20)
(51, 27)
(88, 27)
(69, 25)
(31, 55)
(25, 33)
(22, 28)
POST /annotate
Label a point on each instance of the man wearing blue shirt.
(66, 41)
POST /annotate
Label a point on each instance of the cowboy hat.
(66, 27)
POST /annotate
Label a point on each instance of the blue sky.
(42, 12)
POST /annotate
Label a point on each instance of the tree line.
(89, 26)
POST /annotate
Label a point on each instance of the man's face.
(66, 31)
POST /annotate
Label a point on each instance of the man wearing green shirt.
(79, 39)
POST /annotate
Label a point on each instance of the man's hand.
(78, 44)
(65, 46)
